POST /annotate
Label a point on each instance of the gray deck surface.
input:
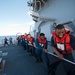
(19, 62)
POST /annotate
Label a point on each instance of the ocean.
(2, 38)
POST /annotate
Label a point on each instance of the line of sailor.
(60, 45)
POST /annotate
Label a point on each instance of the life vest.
(5, 39)
(63, 44)
(42, 43)
(26, 37)
(30, 40)
(19, 37)
(10, 39)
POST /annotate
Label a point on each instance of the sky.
(14, 17)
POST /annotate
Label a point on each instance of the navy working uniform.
(31, 45)
(40, 45)
(64, 46)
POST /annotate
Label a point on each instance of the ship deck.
(19, 62)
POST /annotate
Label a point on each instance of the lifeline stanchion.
(63, 58)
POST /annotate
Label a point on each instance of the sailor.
(23, 40)
(41, 45)
(10, 40)
(5, 41)
(62, 44)
(31, 44)
(19, 39)
(26, 41)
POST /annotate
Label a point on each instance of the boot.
(37, 61)
(41, 60)
(53, 73)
